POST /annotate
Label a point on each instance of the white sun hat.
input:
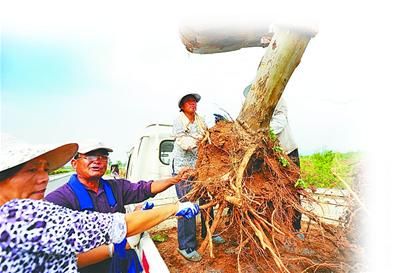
(14, 153)
(92, 145)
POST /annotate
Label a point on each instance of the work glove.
(187, 143)
(187, 210)
(147, 205)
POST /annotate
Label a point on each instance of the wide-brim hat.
(14, 154)
(181, 101)
(89, 146)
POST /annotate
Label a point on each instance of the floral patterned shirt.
(38, 236)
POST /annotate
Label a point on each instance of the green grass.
(318, 169)
(65, 169)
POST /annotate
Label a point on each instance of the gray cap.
(196, 96)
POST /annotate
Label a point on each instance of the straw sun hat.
(13, 153)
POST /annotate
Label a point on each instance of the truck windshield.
(165, 150)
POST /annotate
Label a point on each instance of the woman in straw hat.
(38, 236)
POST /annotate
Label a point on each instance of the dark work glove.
(219, 117)
(147, 205)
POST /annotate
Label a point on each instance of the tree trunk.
(282, 56)
(276, 67)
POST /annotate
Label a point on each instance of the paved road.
(57, 181)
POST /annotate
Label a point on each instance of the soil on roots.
(225, 261)
(251, 182)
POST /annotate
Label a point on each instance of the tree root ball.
(251, 181)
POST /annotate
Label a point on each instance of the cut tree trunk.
(205, 39)
(276, 67)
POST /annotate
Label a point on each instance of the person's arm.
(161, 185)
(87, 258)
(94, 256)
(45, 227)
(158, 186)
(141, 220)
(142, 190)
(104, 252)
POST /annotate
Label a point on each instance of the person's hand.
(194, 150)
(187, 210)
(147, 205)
(185, 174)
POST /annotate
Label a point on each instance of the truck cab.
(149, 159)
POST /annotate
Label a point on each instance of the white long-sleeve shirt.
(280, 126)
(186, 135)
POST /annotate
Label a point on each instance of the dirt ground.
(225, 260)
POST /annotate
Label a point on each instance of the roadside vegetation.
(65, 169)
(321, 170)
(68, 168)
(121, 167)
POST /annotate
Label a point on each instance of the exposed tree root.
(212, 229)
(248, 174)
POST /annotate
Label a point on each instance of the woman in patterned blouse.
(38, 236)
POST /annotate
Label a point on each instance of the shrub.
(318, 169)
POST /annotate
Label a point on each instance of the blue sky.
(111, 85)
(36, 67)
(41, 79)
(54, 87)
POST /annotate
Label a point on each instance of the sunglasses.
(94, 157)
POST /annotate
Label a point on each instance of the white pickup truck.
(149, 159)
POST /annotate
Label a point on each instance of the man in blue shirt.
(90, 165)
